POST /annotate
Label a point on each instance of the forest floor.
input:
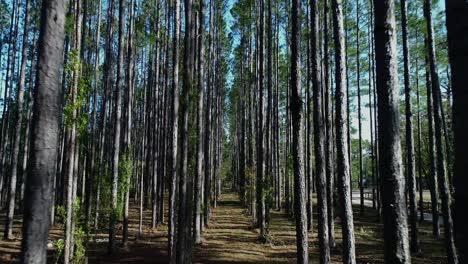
(230, 238)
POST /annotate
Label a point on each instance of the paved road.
(368, 203)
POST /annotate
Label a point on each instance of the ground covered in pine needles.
(230, 238)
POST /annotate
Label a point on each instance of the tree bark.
(73, 145)
(441, 169)
(343, 163)
(45, 131)
(200, 134)
(117, 129)
(319, 139)
(410, 163)
(432, 156)
(393, 190)
(329, 153)
(358, 78)
(173, 160)
(184, 230)
(19, 122)
(297, 149)
(260, 124)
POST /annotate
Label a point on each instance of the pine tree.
(393, 193)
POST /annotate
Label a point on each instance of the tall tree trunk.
(19, 122)
(184, 228)
(343, 163)
(27, 135)
(73, 145)
(128, 148)
(358, 78)
(173, 161)
(329, 152)
(393, 190)
(208, 125)
(441, 170)
(308, 128)
(260, 124)
(410, 166)
(106, 103)
(45, 131)
(297, 149)
(117, 128)
(371, 86)
(268, 127)
(94, 132)
(348, 111)
(419, 151)
(7, 104)
(432, 156)
(200, 134)
(319, 139)
(457, 28)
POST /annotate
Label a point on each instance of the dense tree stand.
(231, 237)
(233, 131)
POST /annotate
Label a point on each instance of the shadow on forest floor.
(231, 238)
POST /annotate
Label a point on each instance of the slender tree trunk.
(45, 131)
(319, 139)
(106, 103)
(308, 128)
(27, 135)
(358, 78)
(348, 111)
(441, 170)
(393, 191)
(73, 145)
(94, 132)
(260, 125)
(329, 153)
(184, 229)
(410, 166)
(343, 163)
(117, 129)
(19, 122)
(376, 129)
(420, 173)
(432, 156)
(200, 134)
(128, 148)
(208, 125)
(371, 114)
(297, 150)
(153, 123)
(7, 104)
(173, 161)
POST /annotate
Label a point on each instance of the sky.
(229, 19)
(365, 111)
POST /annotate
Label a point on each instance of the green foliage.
(74, 65)
(79, 236)
(59, 251)
(106, 197)
(268, 193)
(61, 213)
(79, 241)
(125, 173)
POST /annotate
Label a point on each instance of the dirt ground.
(230, 238)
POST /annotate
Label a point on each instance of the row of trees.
(137, 106)
(297, 109)
(109, 119)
